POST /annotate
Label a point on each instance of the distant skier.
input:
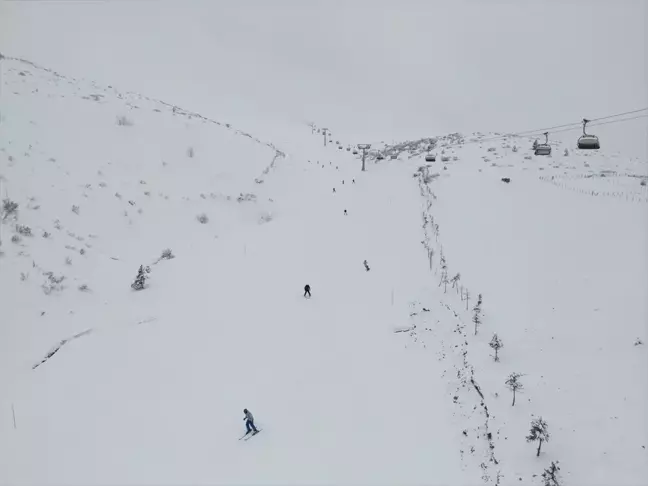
(345, 213)
(366, 265)
(249, 422)
(353, 181)
(307, 290)
(342, 181)
(334, 189)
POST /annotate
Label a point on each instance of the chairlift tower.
(364, 147)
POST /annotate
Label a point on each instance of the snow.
(376, 379)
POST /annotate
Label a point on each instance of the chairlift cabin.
(430, 158)
(543, 148)
(588, 142)
(355, 152)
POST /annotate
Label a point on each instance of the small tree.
(497, 344)
(539, 432)
(550, 476)
(140, 280)
(477, 313)
(455, 281)
(514, 384)
(444, 274)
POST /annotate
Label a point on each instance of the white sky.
(369, 69)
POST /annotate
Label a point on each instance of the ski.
(253, 434)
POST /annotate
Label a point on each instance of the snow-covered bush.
(123, 121)
(515, 149)
(550, 476)
(53, 283)
(167, 254)
(140, 280)
(566, 153)
(497, 344)
(15, 239)
(248, 197)
(23, 230)
(539, 432)
(9, 208)
(202, 218)
(68, 261)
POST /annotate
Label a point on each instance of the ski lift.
(355, 152)
(543, 148)
(588, 142)
(430, 158)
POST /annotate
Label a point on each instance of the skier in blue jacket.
(249, 421)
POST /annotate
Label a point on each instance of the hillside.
(378, 378)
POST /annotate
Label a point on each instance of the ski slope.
(378, 378)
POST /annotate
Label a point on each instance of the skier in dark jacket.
(249, 421)
(307, 290)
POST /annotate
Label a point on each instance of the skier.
(342, 181)
(334, 189)
(249, 422)
(366, 265)
(307, 290)
(353, 181)
(345, 213)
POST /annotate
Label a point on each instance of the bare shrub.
(46, 234)
(84, 288)
(75, 209)
(123, 121)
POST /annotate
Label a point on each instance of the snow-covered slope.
(378, 378)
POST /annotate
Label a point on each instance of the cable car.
(430, 158)
(588, 142)
(543, 148)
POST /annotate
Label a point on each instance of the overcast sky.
(369, 69)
